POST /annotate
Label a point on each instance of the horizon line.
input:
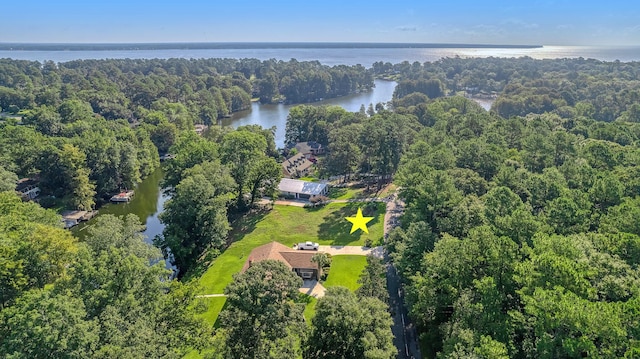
(79, 46)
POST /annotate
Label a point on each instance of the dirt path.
(211, 296)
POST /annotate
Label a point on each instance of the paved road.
(406, 338)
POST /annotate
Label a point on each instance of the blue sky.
(558, 22)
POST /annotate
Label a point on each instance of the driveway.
(312, 288)
(352, 250)
(284, 202)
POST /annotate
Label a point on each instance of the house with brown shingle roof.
(296, 166)
(299, 261)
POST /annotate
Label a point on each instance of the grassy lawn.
(214, 308)
(345, 271)
(309, 179)
(289, 225)
(310, 309)
(345, 193)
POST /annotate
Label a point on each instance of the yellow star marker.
(359, 222)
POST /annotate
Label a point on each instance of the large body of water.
(276, 115)
(338, 56)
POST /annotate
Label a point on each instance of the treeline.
(100, 298)
(520, 237)
(604, 91)
(87, 159)
(208, 88)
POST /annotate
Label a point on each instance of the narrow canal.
(147, 204)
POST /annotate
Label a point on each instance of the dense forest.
(598, 90)
(519, 240)
(94, 127)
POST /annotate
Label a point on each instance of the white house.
(302, 189)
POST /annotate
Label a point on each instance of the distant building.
(28, 188)
(302, 189)
(297, 166)
(309, 148)
(200, 128)
(299, 261)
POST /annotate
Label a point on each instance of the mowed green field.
(345, 271)
(289, 225)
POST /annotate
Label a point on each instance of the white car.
(308, 245)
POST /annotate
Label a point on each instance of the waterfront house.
(299, 189)
(28, 188)
(298, 261)
(297, 166)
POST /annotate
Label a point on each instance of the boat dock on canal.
(124, 196)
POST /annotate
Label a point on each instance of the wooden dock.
(73, 218)
(125, 196)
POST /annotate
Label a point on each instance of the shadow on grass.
(336, 228)
(246, 224)
(336, 192)
(218, 323)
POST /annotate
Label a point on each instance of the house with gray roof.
(302, 189)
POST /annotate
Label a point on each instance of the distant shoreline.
(244, 45)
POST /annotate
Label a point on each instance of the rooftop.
(26, 183)
(296, 163)
(307, 147)
(299, 186)
(279, 252)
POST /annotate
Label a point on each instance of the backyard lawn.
(288, 225)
